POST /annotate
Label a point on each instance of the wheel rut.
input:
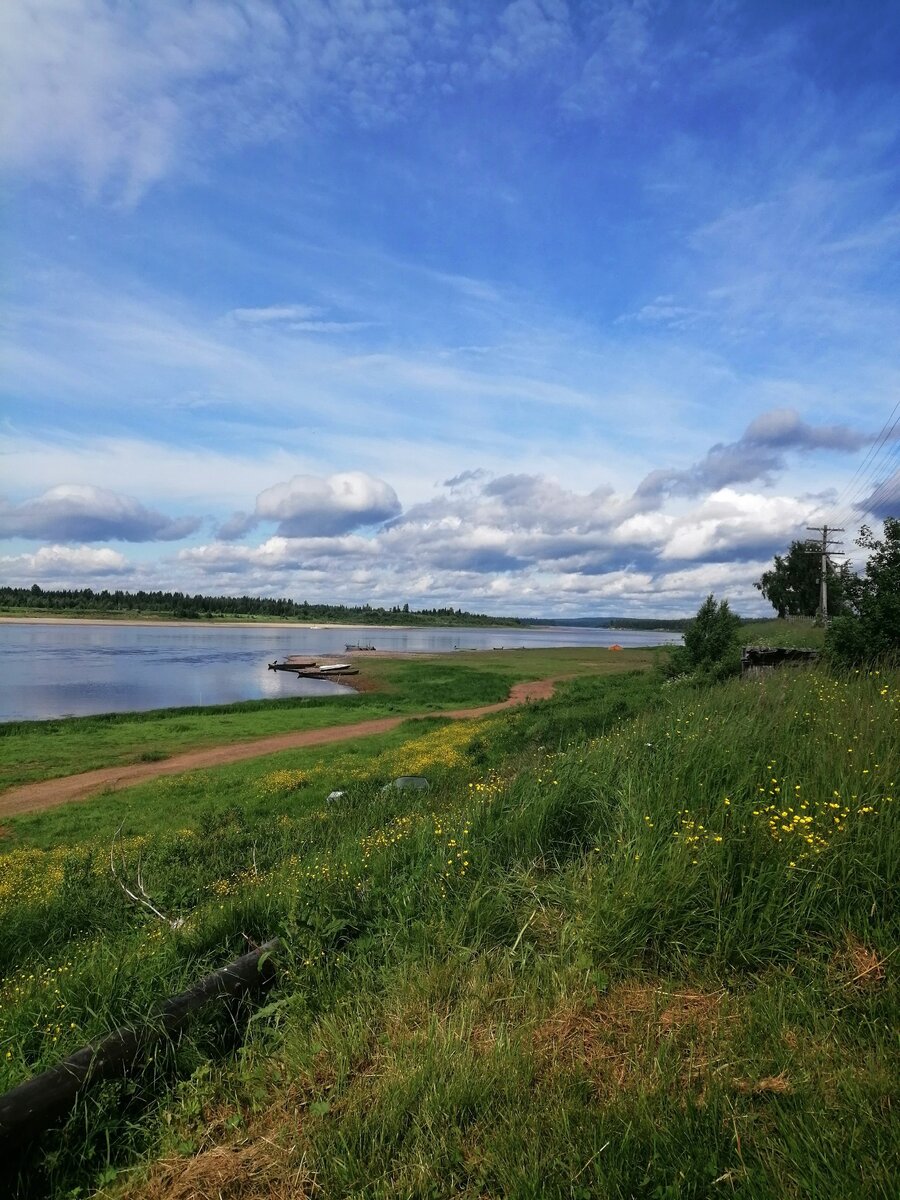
(49, 793)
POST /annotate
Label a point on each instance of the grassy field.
(783, 633)
(639, 940)
(33, 750)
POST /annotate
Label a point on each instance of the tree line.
(864, 632)
(182, 606)
(865, 606)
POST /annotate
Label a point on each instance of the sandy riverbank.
(220, 624)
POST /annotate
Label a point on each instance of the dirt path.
(51, 792)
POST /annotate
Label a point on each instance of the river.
(78, 668)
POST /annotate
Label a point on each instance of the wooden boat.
(310, 669)
(321, 673)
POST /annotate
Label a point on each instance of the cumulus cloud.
(465, 477)
(734, 526)
(278, 553)
(311, 506)
(524, 541)
(757, 454)
(784, 429)
(63, 563)
(82, 513)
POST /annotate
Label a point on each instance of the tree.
(792, 586)
(711, 643)
(870, 628)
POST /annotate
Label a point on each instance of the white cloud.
(735, 525)
(279, 554)
(309, 505)
(275, 312)
(84, 513)
(525, 543)
(63, 564)
(124, 94)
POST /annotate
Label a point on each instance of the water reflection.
(50, 670)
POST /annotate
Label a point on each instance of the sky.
(537, 307)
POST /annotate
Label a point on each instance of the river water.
(56, 670)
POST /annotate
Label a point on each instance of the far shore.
(220, 623)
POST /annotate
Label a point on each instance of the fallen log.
(32, 1106)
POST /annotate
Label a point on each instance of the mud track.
(51, 792)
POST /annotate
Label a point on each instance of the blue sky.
(532, 307)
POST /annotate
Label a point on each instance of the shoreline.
(221, 624)
(218, 623)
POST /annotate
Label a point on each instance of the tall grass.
(652, 957)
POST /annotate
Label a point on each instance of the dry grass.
(617, 1038)
(257, 1169)
(773, 1084)
(858, 965)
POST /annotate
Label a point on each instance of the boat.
(327, 673)
(328, 668)
(292, 665)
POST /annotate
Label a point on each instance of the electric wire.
(879, 460)
(868, 489)
(886, 431)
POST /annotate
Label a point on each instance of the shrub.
(711, 648)
(870, 631)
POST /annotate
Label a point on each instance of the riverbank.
(390, 685)
(34, 797)
(632, 935)
(217, 622)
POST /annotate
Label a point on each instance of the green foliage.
(644, 959)
(793, 585)
(773, 631)
(711, 647)
(34, 750)
(84, 601)
(870, 631)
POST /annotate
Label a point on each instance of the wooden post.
(33, 1105)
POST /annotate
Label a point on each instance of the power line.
(825, 551)
(886, 430)
(870, 486)
(885, 489)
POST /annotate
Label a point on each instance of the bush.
(870, 631)
(711, 649)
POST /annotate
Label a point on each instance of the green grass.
(777, 632)
(625, 946)
(36, 750)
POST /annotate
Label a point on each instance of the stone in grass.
(333, 797)
(414, 783)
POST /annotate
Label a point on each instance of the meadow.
(37, 750)
(638, 940)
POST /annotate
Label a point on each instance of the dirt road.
(51, 792)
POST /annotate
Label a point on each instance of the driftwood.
(140, 896)
(757, 660)
(32, 1106)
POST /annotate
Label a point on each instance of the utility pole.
(825, 551)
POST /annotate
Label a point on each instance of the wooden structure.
(758, 660)
(310, 669)
(33, 1106)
